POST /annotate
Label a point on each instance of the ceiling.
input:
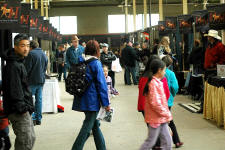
(95, 3)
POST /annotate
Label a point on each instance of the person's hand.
(107, 108)
(63, 64)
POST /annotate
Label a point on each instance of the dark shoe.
(177, 145)
(34, 122)
(38, 122)
(156, 148)
(200, 111)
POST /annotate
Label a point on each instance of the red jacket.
(141, 86)
(214, 55)
(4, 121)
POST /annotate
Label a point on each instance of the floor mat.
(192, 107)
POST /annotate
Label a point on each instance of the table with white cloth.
(50, 96)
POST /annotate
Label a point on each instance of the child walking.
(157, 113)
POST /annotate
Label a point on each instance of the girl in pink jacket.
(157, 113)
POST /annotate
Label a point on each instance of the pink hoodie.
(156, 107)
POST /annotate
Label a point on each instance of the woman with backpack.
(95, 96)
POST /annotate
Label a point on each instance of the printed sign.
(201, 19)
(217, 16)
(171, 23)
(185, 23)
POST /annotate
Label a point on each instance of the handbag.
(116, 67)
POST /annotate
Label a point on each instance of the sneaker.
(38, 122)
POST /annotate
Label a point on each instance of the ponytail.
(146, 89)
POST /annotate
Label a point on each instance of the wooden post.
(134, 14)
(36, 4)
(145, 13)
(185, 7)
(161, 10)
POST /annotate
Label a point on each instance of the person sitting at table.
(36, 65)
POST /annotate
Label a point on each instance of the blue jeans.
(90, 123)
(130, 70)
(37, 92)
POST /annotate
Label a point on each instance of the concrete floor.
(128, 130)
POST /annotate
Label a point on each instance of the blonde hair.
(165, 42)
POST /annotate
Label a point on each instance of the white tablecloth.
(50, 96)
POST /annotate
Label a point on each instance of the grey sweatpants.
(153, 133)
(23, 128)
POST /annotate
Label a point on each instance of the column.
(145, 13)
(42, 8)
(134, 14)
(36, 4)
(223, 31)
(160, 10)
(126, 17)
(185, 7)
(46, 10)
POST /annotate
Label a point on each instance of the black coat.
(129, 56)
(17, 97)
(107, 59)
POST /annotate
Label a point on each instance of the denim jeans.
(62, 69)
(37, 92)
(90, 123)
(130, 70)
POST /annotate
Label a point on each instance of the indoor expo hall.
(112, 74)
(127, 129)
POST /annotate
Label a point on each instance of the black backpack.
(76, 82)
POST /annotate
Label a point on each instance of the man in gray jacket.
(36, 65)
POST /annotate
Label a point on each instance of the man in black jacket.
(17, 98)
(36, 65)
(106, 58)
(129, 58)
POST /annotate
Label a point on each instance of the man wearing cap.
(215, 52)
(106, 58)
(74, 52)
(129, 58)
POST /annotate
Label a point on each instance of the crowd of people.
(151, 69)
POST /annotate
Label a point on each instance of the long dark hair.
(155, 65)
(147, 67)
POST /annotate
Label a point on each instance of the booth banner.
(171, 23)
(34, 22)
(40, 26)
(50, 32)
(25, 18)
(200, 19)
(185, 23)
(162, 28)
(9, 14)
(217, 16)
(46, 30)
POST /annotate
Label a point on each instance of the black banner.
(201, 19)
(40, 26)
(162, 28)
(217, 16)
(34, 22)
(9, 14)
(24, 23)
(171, 23)
(46, 30)
(185, 23)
